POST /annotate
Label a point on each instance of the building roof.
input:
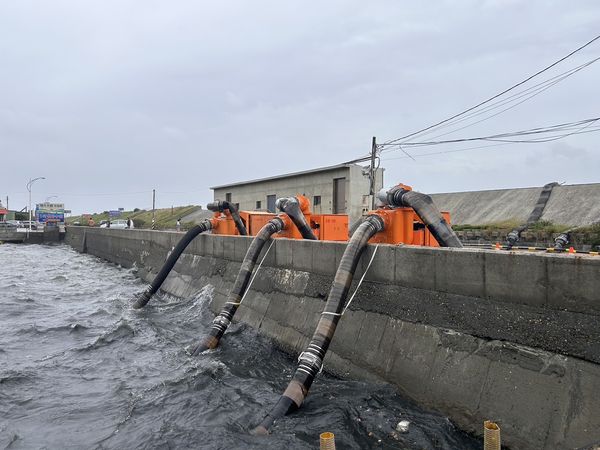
(286, 175)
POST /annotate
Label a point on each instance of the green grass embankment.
(165, 218)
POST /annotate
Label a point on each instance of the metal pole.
(29, 189)
(153, 205)
(372, 172)
(29, 184)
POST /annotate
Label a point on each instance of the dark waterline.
(80, 369)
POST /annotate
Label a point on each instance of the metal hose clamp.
(220, 321)
(311, 360)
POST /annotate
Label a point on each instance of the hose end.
(260, 431)
(561, 241)
(197, 349)
(512, 238)
(141, 300)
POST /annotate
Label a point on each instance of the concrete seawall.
(474, 334)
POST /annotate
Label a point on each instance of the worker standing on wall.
(178, 225)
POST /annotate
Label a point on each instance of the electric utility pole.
(372, 172)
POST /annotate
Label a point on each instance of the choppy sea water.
(80, 369)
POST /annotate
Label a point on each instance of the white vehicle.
(118, 224)
(34, 225)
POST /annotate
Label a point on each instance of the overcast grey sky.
(120, 97)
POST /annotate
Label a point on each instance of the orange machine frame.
(326, 227)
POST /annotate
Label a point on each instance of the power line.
(446, 151)
(579, 127)
(495, 96)
(528, 93)
(413, 156)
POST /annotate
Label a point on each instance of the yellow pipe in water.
(491, 436)
(327, 441)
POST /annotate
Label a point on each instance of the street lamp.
(31, 181)
(52, 196)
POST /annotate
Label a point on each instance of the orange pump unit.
(404, 226)
(330, 227)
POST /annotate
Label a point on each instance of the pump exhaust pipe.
(311, 360)
(143, 298)
(222, 321)
(222, 206)
(425, 209)
(291, 206)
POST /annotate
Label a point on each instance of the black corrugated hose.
(354, 227)
(426, 210)
(563, 239)
(311, 360)
(222, 321)
(291, 207)
(143, 298)
(220, 206)
(513, 237)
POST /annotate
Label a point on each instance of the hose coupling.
(392, 196)
(278, 223)
(512, 238)
(561, 241)
(376, 221)
(221, 322)
(312, 362)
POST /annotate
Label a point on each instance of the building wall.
(310, 185)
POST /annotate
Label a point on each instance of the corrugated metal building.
(340, 189)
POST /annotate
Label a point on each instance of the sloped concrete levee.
(474, 334)
(573, 205)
